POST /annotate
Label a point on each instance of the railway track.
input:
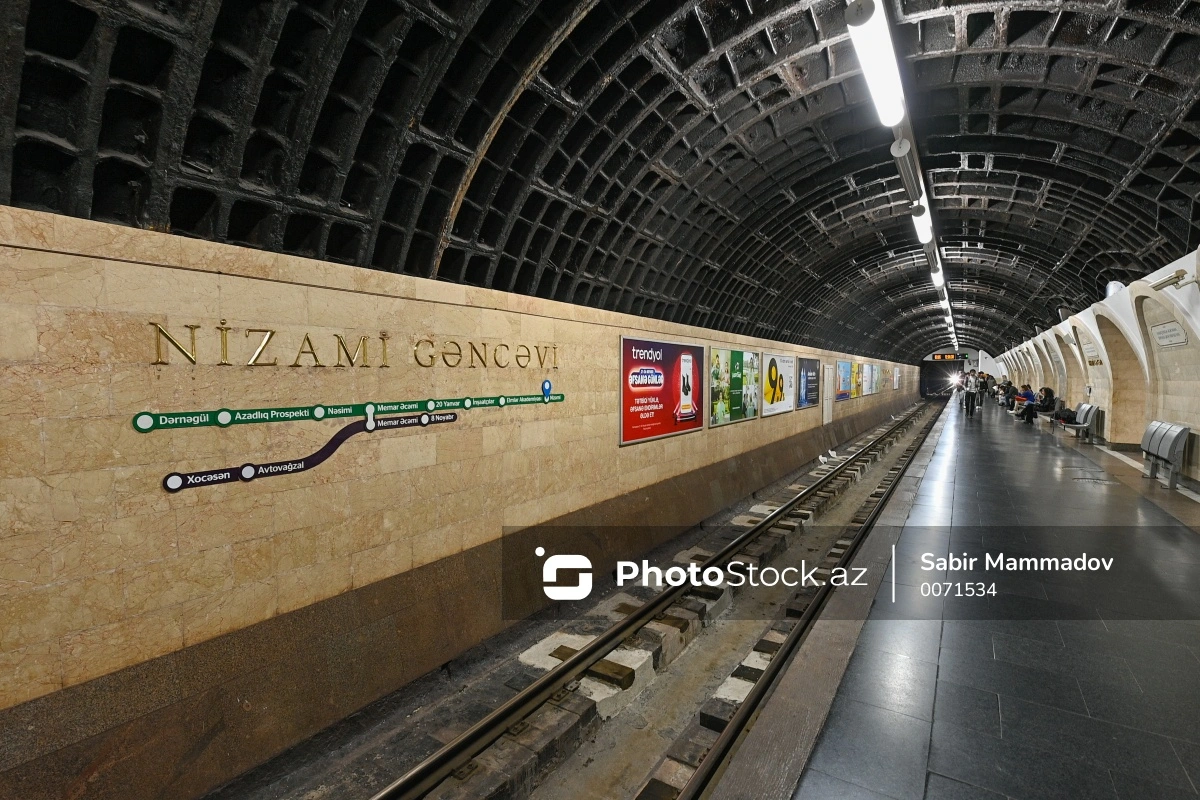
(457, 757)
(808, 609)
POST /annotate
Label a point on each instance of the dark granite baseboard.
(180, 725)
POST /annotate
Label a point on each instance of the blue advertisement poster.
(844, 384)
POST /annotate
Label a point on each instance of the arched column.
(1125, 415)
(1045, 371)
(1072, 392)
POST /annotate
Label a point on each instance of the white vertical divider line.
(893, 574)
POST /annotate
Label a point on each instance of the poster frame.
(762, 368)
(708, 365)
(621, 378)
(799, 369)
(837, 373)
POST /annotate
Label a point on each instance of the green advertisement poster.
(734, 381)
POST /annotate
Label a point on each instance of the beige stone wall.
(100, 568)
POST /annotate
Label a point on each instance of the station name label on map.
(226, 346)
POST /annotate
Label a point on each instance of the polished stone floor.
(1063, 684)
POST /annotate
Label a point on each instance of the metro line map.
(411, 413)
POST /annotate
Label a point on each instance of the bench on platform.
(1048, 416)
(1087, 421)
(1078, 411)
(1163, 444)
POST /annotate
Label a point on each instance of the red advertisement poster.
(662, 393)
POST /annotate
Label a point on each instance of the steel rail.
(702, 778)
(435, 768)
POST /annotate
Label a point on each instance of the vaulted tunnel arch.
(711, 163)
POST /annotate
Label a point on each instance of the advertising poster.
(895, 377)
(808, 389)
(779, 384)
(868, 371)
(855, 379)
(733, 382)
(844, 377)
(662, 392)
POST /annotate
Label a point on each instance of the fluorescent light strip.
(867, 23)
(923, 222)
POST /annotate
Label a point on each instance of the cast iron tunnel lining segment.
(715, 164)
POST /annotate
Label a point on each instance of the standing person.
(971, 390)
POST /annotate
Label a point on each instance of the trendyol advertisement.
(808, 390)
(779, 383)
(661, 390)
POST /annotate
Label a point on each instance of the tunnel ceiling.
(714, 163)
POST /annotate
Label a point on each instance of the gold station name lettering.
(263, 349)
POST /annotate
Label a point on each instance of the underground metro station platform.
(599, 400)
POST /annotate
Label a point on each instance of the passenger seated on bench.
(1007, 393)
(1043, 403)
(1022, 397)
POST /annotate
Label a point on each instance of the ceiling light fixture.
(867, 24)
(906, 165)
(923, 222)
(868, 27)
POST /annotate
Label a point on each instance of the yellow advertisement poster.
(856, 385)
